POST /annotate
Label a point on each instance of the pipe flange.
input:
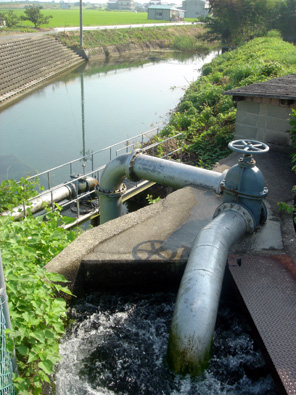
(130, 174)
(112, 194)
(72, 190)
(248, 217)
(221, 184)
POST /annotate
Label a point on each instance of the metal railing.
(90, 161)
(160, 148)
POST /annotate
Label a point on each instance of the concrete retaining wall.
(27, 63)
(127, 50)
(263, 119)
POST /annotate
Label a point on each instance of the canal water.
(90, 108)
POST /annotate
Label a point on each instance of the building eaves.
(162, 7)
(279, 88)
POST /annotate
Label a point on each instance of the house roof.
(279, 88)
(163, 7)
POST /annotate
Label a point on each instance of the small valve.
(248, 147)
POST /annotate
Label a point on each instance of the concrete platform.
(161, 234)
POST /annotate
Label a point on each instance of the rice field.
(91, 17)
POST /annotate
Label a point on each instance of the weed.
(37, 314)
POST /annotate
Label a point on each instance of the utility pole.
(81, 27)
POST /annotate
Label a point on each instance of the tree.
(11, 19)
(236, 21)
(33, 14)
(286, 20)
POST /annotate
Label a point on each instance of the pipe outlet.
(195, 313)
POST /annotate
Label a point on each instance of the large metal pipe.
(137, 166)
(38, 204)
(175, 174)
(67, 191)
(197, 302)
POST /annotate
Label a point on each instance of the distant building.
(121, 5)
(195, 8)
(165, 13)
(112, 5)
(2, 22)
(64, 6)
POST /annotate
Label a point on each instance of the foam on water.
(118, 344)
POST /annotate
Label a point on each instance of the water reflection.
(90, 108)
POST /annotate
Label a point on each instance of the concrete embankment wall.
(108, 52)
(30, 62)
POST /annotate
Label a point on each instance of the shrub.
(241, 72)
(274, 33)
(37, 314)
(14, 193)
(271, 69)
(11, 19)
(207, 69)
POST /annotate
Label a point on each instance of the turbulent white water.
(117, 345)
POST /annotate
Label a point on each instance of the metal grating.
(269, 292)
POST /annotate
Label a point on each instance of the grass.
(70, 18)
(174, 37)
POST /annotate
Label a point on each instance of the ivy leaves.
(13, 193)
(37, 314)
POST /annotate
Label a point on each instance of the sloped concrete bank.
(28, 63)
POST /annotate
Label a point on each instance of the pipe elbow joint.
(130, 163)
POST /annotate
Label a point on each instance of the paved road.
(5, 37)
(68, 29)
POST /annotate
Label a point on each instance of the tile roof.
(280, 88)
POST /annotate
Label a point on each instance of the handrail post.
(48, 180)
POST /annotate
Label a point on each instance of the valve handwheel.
(248, 146)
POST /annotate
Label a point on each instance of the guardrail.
(92, 160)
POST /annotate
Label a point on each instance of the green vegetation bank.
(206, 117)
(184, 38)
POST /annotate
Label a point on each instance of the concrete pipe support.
(194, 318)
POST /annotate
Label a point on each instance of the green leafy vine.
(37, 314)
